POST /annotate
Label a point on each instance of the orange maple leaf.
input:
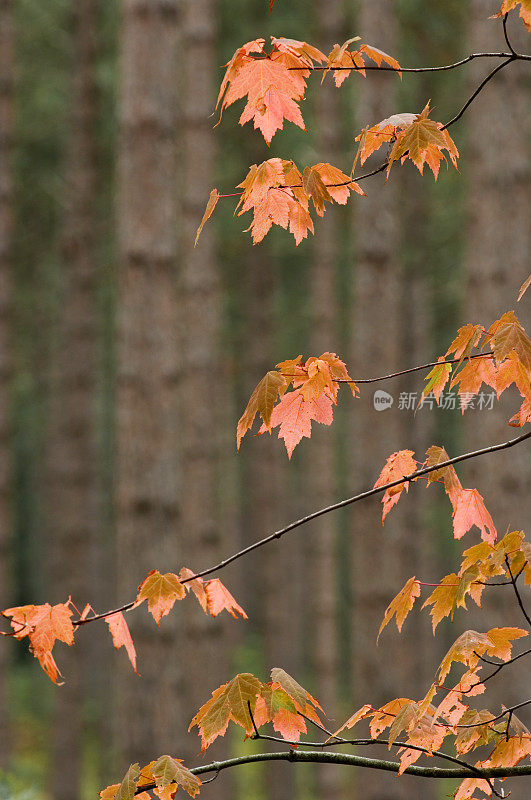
(278, 194)
(511, 370)
(401, 605)
(362, 713)
(468, 786)
(522, 416)
(273, 90)
(196, 585)
(161, 592)
(210, 206)
(451, 594)
(372, 138)
(43, 625)
(467, 338)
(423, 142)
(343, 60)
(303, 699)
(468, 647)
(294, 415)
(506, 334)
(336, 182)
(171, 772)
(219, 598)
(398, 465)
(228, 702)
(523, 288)
(525, 10)
(121, 636)
(470, 510)
(384, 716)
(452, 484)
(472, 376)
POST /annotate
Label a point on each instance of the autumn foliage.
(271, 80)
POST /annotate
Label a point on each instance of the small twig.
(478, 90)
(506, 35)
(509, 718)
(256, 735)
(209, 780)
(318, 725)
(388, 68)
(494, 719)
(411, 369)
(517, 593)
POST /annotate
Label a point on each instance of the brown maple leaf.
(423, 142)
(161, 592)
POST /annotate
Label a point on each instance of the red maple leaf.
(470, 510)
(294, 415)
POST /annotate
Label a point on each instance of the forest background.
(126, 358)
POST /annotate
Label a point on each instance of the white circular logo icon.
(381, 400)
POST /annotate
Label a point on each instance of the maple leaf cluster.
(428, 725)
(250, 703)
(413, 136)
(510, 556)
(315, 388)
(274, 83)
(45, 624)
(163, 777)
(468, 505)
(502, 358)
(244, 700)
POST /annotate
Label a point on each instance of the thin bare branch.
(478, 90)
(358, 497)
(517, 593)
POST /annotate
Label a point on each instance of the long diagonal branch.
(357, 498)
(321, 512)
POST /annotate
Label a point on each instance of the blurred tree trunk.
(7, 85)
(200, 311)
(72, 468)
(270, 575)
(497, 262)
(148, 711)
(382, 557)
(322, 478)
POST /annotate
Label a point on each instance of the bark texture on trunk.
(271, 575)
(7, 73)
(200, 310)
(322, 478)
(72, 465)
(148, 713)
(496, 262)
(382, 556)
